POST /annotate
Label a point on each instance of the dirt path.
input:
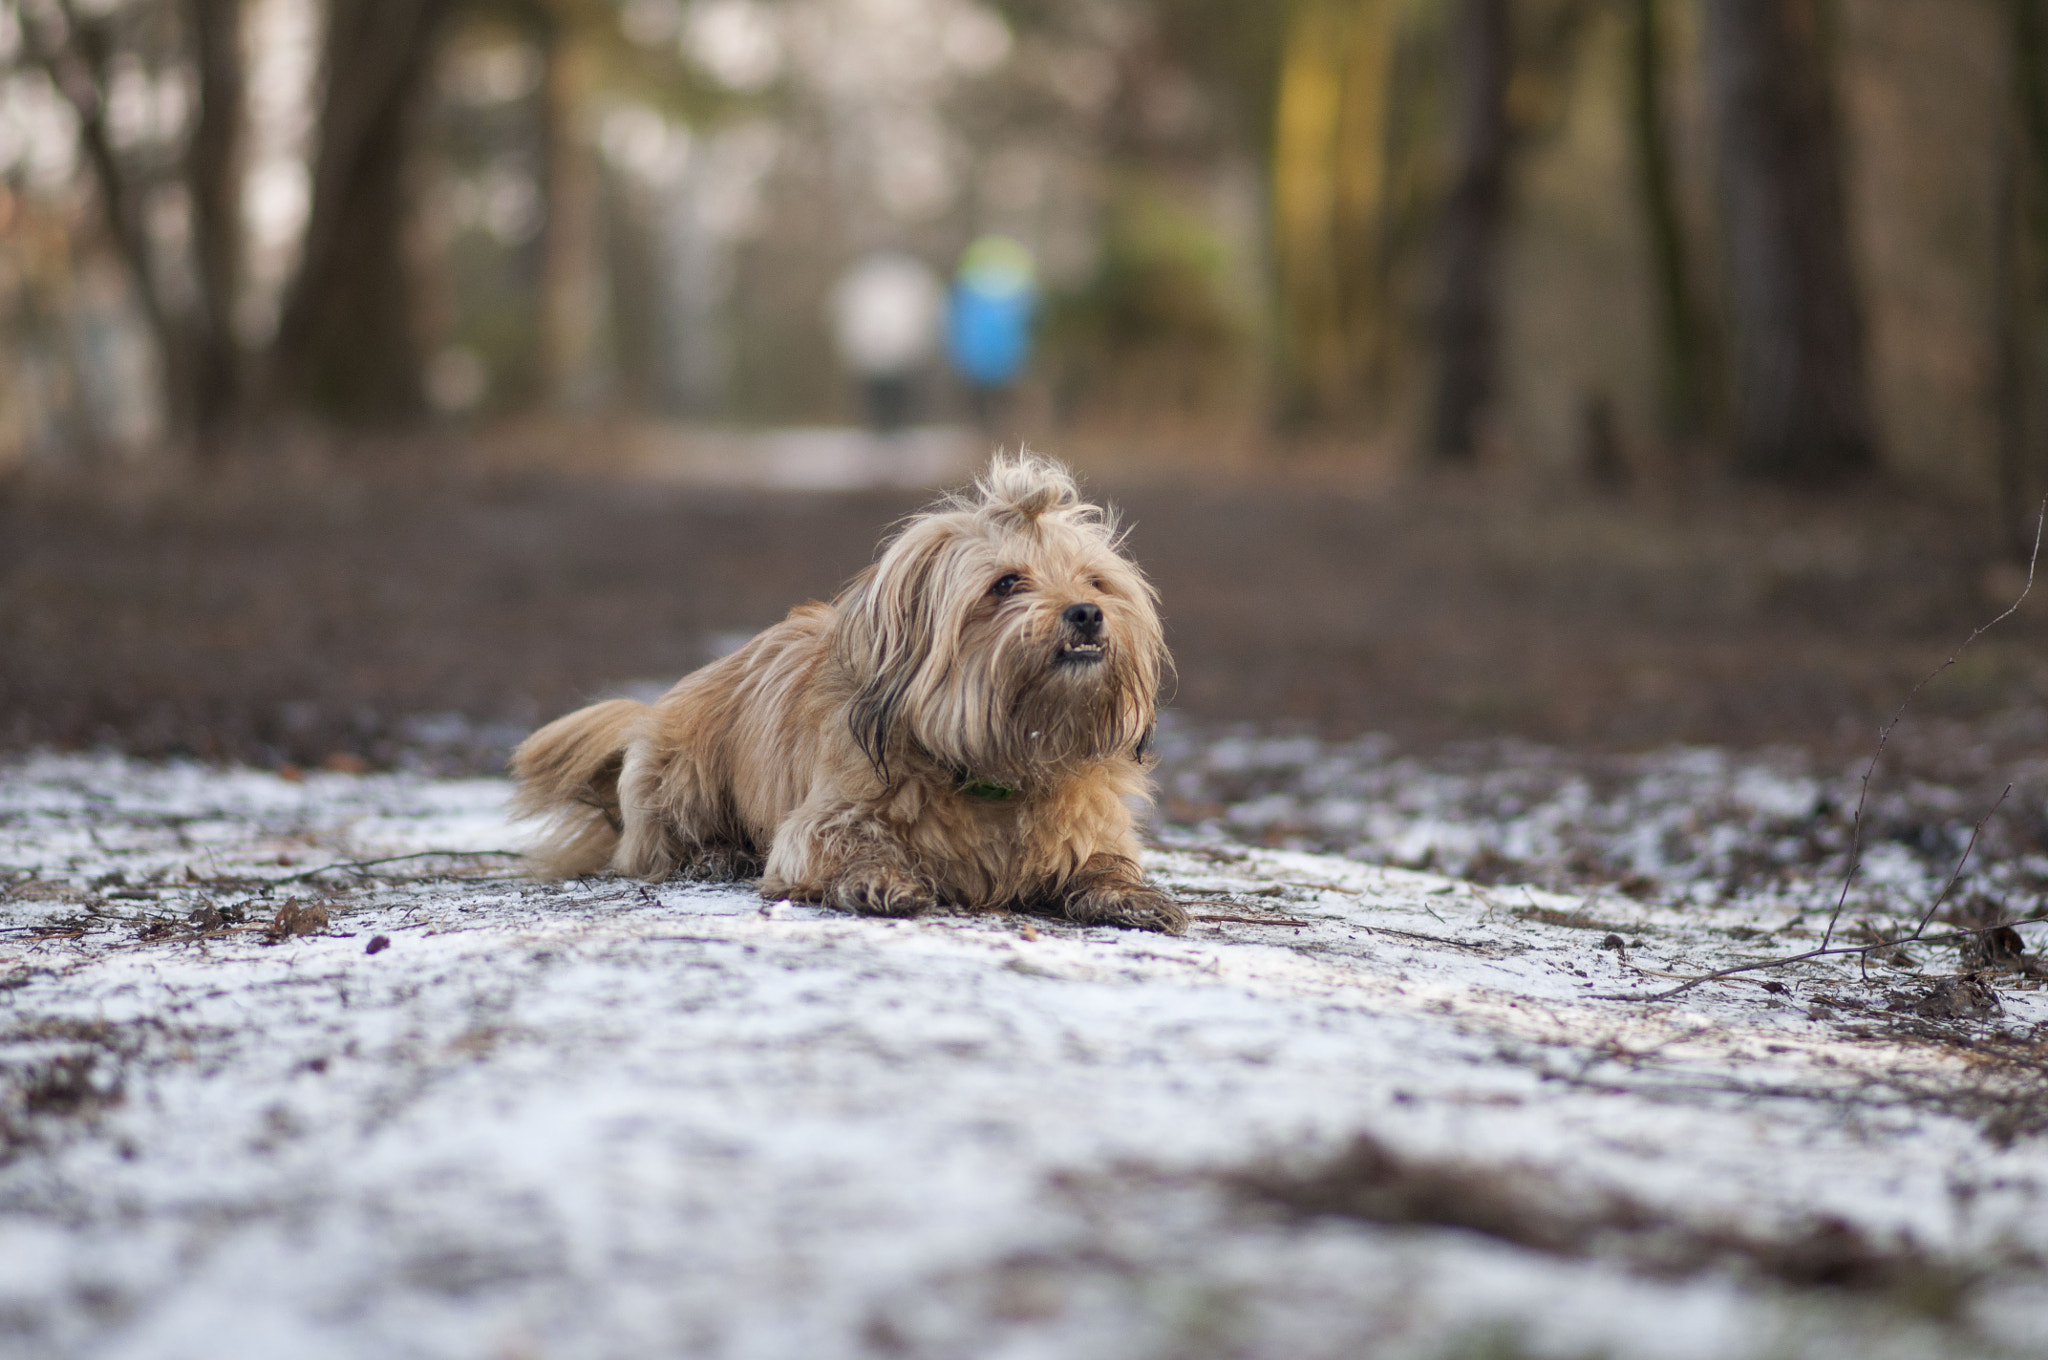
(378, 617)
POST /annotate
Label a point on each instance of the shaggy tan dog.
(966, 723)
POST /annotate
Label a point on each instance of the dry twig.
(1884, 737)
(1838, 951)
(1949, 886)
(358, 865)
(1918, 934)
(1249, 920)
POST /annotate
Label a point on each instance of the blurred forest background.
(1787, 258)
(1807, 237)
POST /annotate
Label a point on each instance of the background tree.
(213, 166)
(2020, 283)
(1469, 320)
(186, 303)
(345, 343)
(1686, 395)
(1330, 211)
(1802, 401)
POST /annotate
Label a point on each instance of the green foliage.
(1156, 318)
(1160, 280)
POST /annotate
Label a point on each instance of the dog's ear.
(886, 620)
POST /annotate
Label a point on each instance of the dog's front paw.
(720, 864)
(1135, 908)
(880, 893)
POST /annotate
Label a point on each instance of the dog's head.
(1003, 632)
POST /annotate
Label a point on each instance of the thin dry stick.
(359, 864)
(1433, 939)
(1919, 935)
(1248, 920)
(1885, 736)
(1949, 886)
(1790, 959)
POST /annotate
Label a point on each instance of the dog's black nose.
(1085, 619)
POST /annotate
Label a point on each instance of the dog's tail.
(568, 773)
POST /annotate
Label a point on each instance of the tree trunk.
(2019, 262)
(1469, 321)
(213, 174)
(1329, 202)
(1685, 358)
(345, 342)
(74, 53)
(1305, 122)
(1802, 402)
(571, 297)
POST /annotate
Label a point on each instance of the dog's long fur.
(955, 727)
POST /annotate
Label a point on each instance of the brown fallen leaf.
(295, 918)
(2000, 947)
(1968, 997)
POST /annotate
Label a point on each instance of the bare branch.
(75, 63)
(1885, 736)
(1249, 920)
(360, 864)
(1839, 951)
(1949, 887)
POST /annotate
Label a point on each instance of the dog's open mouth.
(1080, 653)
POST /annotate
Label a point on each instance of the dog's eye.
(1097, 583)
(1006, 585)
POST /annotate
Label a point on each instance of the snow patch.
(603, 1118)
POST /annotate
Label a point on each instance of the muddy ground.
(430, 611)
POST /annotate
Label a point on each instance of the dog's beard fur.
(843, 746)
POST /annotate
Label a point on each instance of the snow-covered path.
(597, 1119)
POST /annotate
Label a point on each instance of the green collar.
(988, 790)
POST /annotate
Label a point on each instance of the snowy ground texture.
(254, 1106)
